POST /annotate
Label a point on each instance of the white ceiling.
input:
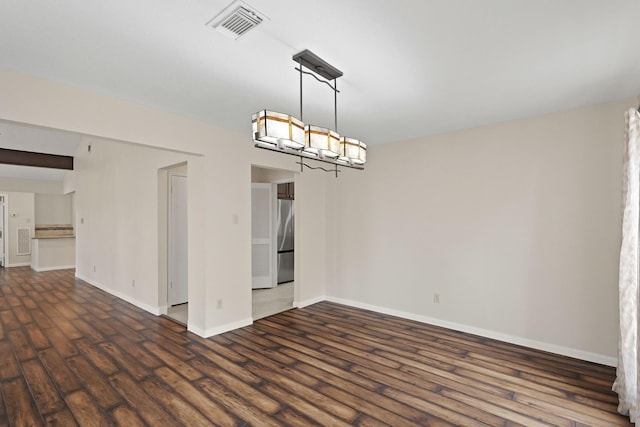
(411, 68)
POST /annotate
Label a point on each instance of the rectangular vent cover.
(236, 20)
(24, 241)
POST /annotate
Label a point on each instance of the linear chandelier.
(287, 134)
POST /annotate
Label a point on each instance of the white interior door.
(178, 248)
(262, 249)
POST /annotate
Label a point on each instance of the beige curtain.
(626, 384)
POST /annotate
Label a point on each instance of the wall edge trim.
(308, 302)
(537, 345)
(146, 307)
(217, 330)
(58, 267)
(19, 264)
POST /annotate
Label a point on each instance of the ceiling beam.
(40, 160)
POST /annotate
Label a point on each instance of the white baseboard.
(209, 332)
(59, 267)
(19, 264)
(306, 303)
(538, 345)
(151, 309)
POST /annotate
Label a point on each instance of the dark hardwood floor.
(71, 354)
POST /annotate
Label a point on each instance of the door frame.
(272, 237)
(170, 175)
(163, 232)
(5, 228)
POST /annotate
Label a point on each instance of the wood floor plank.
(21, 345)
(289, 417)
(240, 407)
(248, 392)
(181, 351)
(306, 391)
(9, 320)
(304, 406)
(21, 409)
(138, 352)
(183, 412)
(384, 409)
(318, 368)
(59, 372)
(127, 417)
(85, 410)
(145, 406)
(71, 354)
(212, 410)
(61, 343)
(4, 418)
(124, 360)
(94, 382)
(63, 418)
(37, 337)
(183, 368)
(227, 365)
(43, 390)
(97, 357)
(9, 367)
(22, 314)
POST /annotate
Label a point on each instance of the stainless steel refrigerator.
(284, 217)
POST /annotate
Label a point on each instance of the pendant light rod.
(303, 165)
(316, 77)
(335, 105)
(300, 69)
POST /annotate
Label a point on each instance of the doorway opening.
(272, 241)
(173, 242)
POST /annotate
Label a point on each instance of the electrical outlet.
(94, 268)
(436, 298)
(219, 305)
(133, 283)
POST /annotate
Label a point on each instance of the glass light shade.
(353, 151)
(278, 129)
(321, 141)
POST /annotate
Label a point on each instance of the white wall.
(20, 213)
(515, 226)
(219, 193)
(53, 209)
(30, 186)
(118, 211)
(263, 175)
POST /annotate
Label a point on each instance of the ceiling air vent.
(236, 20)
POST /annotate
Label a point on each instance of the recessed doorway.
(273, 251)
(173, 242)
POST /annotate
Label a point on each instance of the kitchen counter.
(53, 253)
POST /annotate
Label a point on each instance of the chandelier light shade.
(278, 129)
(286, 134)
(353, 151)
(321, 141)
